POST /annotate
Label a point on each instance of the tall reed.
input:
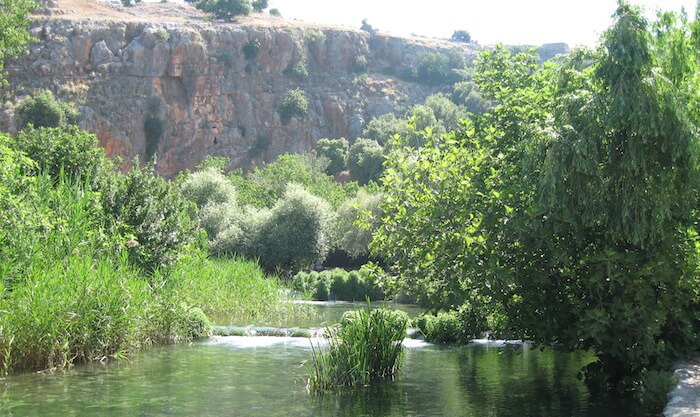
(365, 346)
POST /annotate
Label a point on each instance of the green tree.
(294, 104)
(152, 212)
(365, 159)
(67, 150)
(461, 36)
(572, 206)
(383, 128)
(259, 5)
(43, 110)
(14, 29)
(225, 9)
(336, 150)
(297, 233)
(262, 187)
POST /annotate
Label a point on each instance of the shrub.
(294, 104)
(350, 236)
(240, 231)
(367, 27)
(465, 94)
(453, 326)
(161, 34)
(364, 347)
(315, 36)
(251, 49)
(461, 36)
(447, 113)
(385, 127)
(225, 9)
(262, 187)
(360, 64)
(208, 187)
(43, 110)
(216, 163)
(66, 150)
(338, 284)
(259, 5)
(653, 388)
(297, 233)
(321, 289)
(445, 327)
(221, 223)
(275, 12)
(365, 159)
(151, 211)
(473, 321)
(435, 68)
(336, 150)
(299, 71)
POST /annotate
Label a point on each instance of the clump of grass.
(338, 284)
(76, 310)
(364, 347)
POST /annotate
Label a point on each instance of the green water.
(222, 378)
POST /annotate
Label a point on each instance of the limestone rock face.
(213, 98)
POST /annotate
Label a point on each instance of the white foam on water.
(263, 341)
(247, 342)
(496, 343)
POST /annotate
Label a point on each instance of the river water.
(239, 376)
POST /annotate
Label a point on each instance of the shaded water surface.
(227, 378)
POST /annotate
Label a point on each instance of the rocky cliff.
(216, 86)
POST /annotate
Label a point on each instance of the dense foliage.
(338, 284)
(263, 186)
(297, 232)
(82, 265)
(461, 36)
(43, 110)
(224, 9)
(293, 104)
(66, 151)
(14, 29)
(336, 150)
(365, 159)
(571, 206)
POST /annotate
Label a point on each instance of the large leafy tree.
(224, 9)
(572, 205)
(14, 24)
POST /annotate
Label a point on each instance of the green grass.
(69, 294)
(364, 347)
(233, 290)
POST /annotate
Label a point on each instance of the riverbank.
(685, 398)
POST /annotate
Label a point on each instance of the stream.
(266, 376)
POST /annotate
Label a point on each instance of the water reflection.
(232, 379)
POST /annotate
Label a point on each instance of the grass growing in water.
(364, 347)
(233, 290)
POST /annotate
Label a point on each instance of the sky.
(532, 22)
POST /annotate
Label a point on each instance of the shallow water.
(238, 376)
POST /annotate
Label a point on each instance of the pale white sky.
(576, 22)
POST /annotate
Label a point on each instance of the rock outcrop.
(217, 87)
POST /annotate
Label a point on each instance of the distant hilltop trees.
(228, 9)
(461, 36)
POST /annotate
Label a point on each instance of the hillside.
(214, 87)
